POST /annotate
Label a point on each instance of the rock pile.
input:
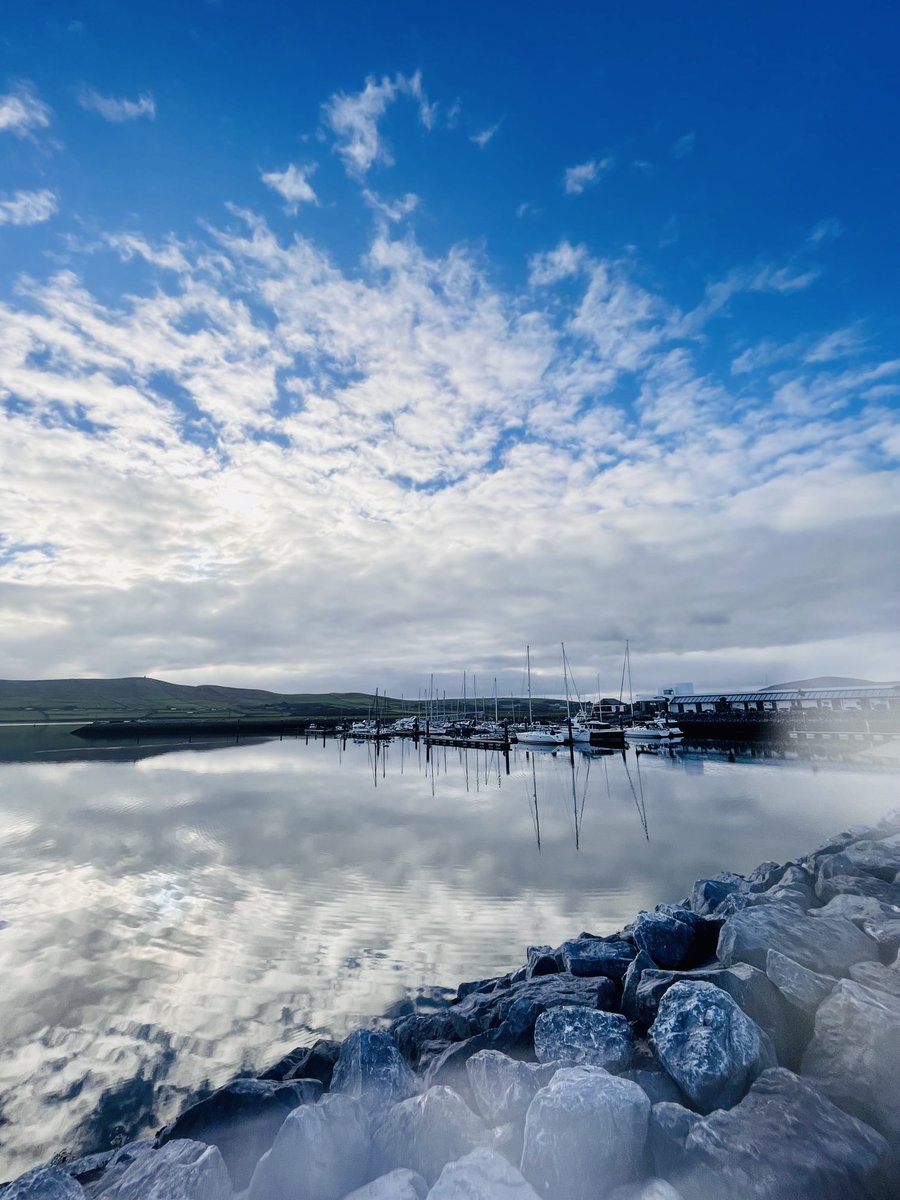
(741, 1045)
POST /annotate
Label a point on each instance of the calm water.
(169, 916)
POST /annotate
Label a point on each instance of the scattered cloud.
(526, 209)
(585, 175)
(826, 230)
(22, 111)
(560, 263)
(116, 110)
(683, 146)
(481, 139)
(841, 343)
(292, 185)
(354, 119)
(28, 208)
(669, 234)
(394, 210)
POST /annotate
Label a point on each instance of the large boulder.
(708, 895)
(785, 1140)
(242, 1119)
(396, 1185)
(827, 945)
(708, 1045)
(482, 1175)
(426, 1132)
(372, 1070)
(649, 1189)
(878, 976)
(664, 938)
(629, 1003)
(596, 956)
(503, 1087)
(584, 1134)
(43, 1183)
(658, 1085)
(854, 1056)
(885, 933)
(182, 1170)
(855, 908)
(880, 858)
(413, 1034)
(321, 1153)
(307, 1062)
(584, 1037)
(522, 1003)
(118, 1164)
(802, 988)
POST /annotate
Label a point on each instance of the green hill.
(37, 700)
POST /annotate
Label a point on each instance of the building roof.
(882, 691)
(822, 681)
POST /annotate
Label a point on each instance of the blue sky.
(346, 343)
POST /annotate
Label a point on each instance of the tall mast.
(496, 717)
(566, 679)
(528, 668)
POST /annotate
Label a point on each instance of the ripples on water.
(170, 917)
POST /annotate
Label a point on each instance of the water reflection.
(175, 914)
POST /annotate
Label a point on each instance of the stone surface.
(321, 1153)
(242, 1119)
(827, 945)
(707, 895)
(594, 956)
(307, 1062)
(523, 1003)
(783, 1141)
(584, 1132)
(629, 1003)
(482, 1175)
(854, 1056)
(413, 1033)
(650, 1189)
(118, 1164)
(880, 858)
(541, 961)
(426, 1132)
(658, 1085)
(664, 938)
(396, 1185)
(878, 976)
(44, 1183)
(855, 908)
(708, 1045)
(181, 1170)
(503, 1087)
(372, 1070)
(802, 988)
(584, 1037)
(885, 934)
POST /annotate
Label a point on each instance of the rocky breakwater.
(741, 1045)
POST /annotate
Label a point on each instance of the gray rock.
(482, 1175)
(321, 1153)
(242, 1119)
(414, 1032)
(181, 1170)
(307, 1062)
(541, 961)
(885, 934)
(707, 1044)
(44, 1183)
(584, 1132)
(584, 1037)
(503, 1087)
(396, 1185)
(629, 1003)
(594, 956)
(659, 1086)
(664, 938)
(524, 1002)
(426, 1132)
(880, 858)
(87, 1169)
(827, 945)
(877, 975)
(839, 873)
(854, 1056)
(855, 908)
(119, 1163)
(801, 987)
(650, 1189)
(783, 1141)
(371, 1070)
(708, 895)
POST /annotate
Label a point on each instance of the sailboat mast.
(528, 669)
(496, 710)
(566, 680)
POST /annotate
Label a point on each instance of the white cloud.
(22, 111)
(366, 436)
(393, 210)
(116, 109)
(354, 119)
(576, 179)
(293, 185)
(28, 208)
(683, 146)
(481, 139)
(826, 230)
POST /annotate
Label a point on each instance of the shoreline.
(664, 1059)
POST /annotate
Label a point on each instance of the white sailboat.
(537, 735)
(658, 730)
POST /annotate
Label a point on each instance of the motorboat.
(657, 730)
(540, 735)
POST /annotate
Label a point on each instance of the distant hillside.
(821, 681)
(87, 699)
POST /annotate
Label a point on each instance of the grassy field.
(39, 700)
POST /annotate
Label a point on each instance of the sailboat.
(537, 735)
(585, 728)
(658, 730)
